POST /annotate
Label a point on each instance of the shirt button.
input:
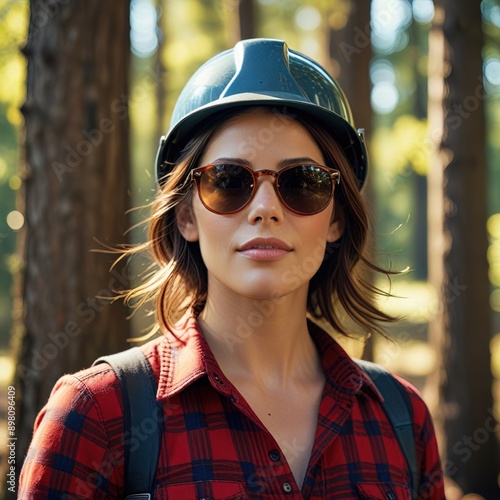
(287, 487)
(274, 455)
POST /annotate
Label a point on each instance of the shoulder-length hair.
(178, 281)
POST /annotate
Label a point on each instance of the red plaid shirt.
(213, 445)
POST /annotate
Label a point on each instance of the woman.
(258, 227)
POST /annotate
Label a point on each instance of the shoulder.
(100, 385)
(95, 385)
(428, 460)
(427, 454)
(381, 377)
(94, 394)
(88, 401)
(421, 413)
(79, 434)
(77, 443)
(393, 392)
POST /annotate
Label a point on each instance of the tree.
(420, 181)
(160, 69)
(350, 54)
(246, 19)
(76, 180)
(457, 250)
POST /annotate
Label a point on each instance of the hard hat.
(262, 72)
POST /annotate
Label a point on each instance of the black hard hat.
(262, 72)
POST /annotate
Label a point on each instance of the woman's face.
(264, 251)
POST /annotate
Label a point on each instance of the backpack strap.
(398, 408)
(142, 439)
(142, 419)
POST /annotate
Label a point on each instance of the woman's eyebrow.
(296, 161)
(237, 161)
(282, 163)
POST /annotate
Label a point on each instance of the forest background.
(79, 128)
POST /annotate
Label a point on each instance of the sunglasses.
(304, 189)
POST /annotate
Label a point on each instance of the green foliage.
(400, 159)
(493, 129)
(13, 22)
(194, 33)
(494, 250)
(195, 30)
(402, 146)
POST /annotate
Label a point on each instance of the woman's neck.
(266, 340)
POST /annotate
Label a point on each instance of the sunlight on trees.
(13, 25)
(143, 34)
(171, 38)
(494, 258)
(399, 147)
(195, 30)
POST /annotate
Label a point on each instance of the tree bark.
(420, 111)
(351, 54)
(160, 69)
(76, 181)
(246, 19)
(458, 244)
(241, 23)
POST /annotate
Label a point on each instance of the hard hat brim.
(350, 140)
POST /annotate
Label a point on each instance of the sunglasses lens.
(226, 188)
(306, 189)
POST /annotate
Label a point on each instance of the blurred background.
(87, 89)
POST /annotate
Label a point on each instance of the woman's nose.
(265, 205)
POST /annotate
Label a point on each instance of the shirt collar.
(185, 357)
(342, 373)
(182, 357)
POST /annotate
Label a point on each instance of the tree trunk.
(246, 14)
(458, 244)
(420, 181)
(241, 20)
(76, 181)
(160, 69)
(351, 54)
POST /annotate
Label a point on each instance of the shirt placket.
(275, 477)
(335, 409)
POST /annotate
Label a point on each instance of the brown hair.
(178, 280)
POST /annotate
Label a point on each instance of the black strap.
(398, 408)
(142, 416)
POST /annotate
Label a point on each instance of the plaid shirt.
(213, 445)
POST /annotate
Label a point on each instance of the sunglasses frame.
(197, 173)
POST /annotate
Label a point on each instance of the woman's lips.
(265, 249)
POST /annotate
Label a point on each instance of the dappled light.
(432, 231)
(144, 40)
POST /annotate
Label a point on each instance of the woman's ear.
(337, 225)
(186, 221)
